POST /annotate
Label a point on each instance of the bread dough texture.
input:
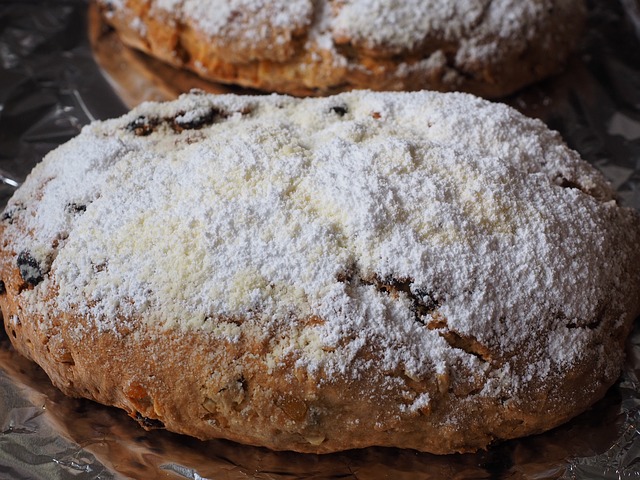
(303, 47)
(420, 270)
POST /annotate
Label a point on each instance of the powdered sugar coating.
(279, 210)
(244, 23)
(478, 25)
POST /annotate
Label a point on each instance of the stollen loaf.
(418, 270)
(304, 47)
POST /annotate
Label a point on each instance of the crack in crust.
(422, 303)
(581, 323)
(468, 344)
(425, 305)
(143, 126)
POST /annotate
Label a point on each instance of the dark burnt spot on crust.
(566, 183)
(7, 216)
(148, 423)
(590, 324)
(10, 213)
(75, 208)
(468, 344)
(30, 270)
(143, 126)
(423, 302)
(3, 288)
(182, 121)
(340, 110)
(428, 301)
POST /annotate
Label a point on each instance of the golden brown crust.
(300, 61)
(159, 379)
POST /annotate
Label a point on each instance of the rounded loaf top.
(431, 231)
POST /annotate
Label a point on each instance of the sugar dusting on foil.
(593, 459)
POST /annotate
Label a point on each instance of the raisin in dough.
(419, 270)
(487, 47)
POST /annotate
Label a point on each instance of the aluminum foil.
(60, 68)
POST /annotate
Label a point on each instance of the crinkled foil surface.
(60, 69)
